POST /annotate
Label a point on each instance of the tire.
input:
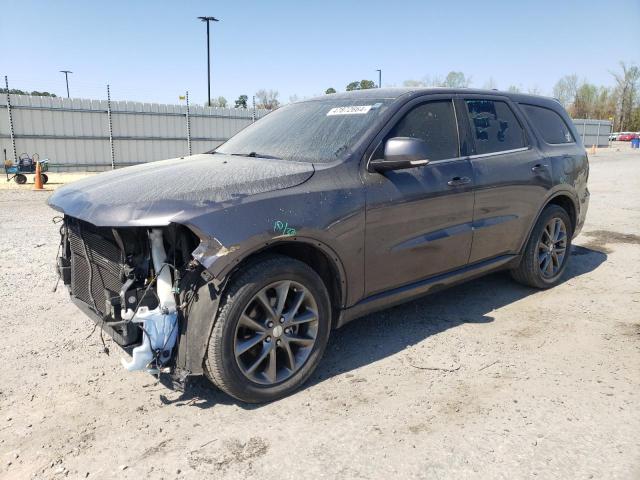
(294, 362)
(44, 177)
(534, 269)
(20, 179)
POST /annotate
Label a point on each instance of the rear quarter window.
(549, 124)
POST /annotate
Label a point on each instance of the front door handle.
(457, 181)
(539, 167)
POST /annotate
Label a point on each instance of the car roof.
(410, 92)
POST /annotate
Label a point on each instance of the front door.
(419, 220)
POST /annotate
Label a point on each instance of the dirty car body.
(385, 195)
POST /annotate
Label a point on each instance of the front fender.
(331, 221)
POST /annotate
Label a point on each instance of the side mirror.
(400, 153)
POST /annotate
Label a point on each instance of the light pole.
(379, 78)
(207, 20)
(66, 78)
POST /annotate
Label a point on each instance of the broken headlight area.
(132, 281)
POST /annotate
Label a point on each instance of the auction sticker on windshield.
(349, 110)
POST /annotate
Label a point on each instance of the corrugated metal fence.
(77, 134)
(593, 132)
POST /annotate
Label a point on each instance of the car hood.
(157, 193)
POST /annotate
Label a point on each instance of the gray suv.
(239, 262)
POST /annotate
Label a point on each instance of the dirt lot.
(486, 380)
(55, 180)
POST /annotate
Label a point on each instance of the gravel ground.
(55, 180)
(486, 380)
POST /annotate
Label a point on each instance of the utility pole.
(66, 77)
(208, 20)
(379, 78)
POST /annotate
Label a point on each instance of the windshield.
(313, 131)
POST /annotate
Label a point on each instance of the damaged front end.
(136, 282)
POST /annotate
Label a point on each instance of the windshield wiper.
(254, 155)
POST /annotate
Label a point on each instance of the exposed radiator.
(103, 267)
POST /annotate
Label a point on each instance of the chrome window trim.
(501, 152)
(447, 160)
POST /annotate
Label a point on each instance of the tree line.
(620, 103)
(265, 99)
(35, 93)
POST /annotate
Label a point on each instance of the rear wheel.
(44, 178)
(547, 251)
(270, 332)
(20, 179)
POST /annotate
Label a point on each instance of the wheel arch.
(321, 258)
(202, 315)
(562, 198)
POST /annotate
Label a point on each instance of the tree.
(565, 90)
(627, 94)
(456, 80)
(634, 121)
(605, 103)
(219, 102)
(414, 83)
(267, 99)
(367, 84)
(513, 89)
(353, 86)
(452, 80)
(361, 85)
(330, 90)
(584, 102)
(241, 102)
(35, 93)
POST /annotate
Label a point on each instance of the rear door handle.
(457, 181)
(539, 167)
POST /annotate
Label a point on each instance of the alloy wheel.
(276, 332)
(552, 247)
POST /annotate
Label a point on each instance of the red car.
(627, 136)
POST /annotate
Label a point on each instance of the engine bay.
(133, 281)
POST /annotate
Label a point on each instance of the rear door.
(418, 220)
(510, 174)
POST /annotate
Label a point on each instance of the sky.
(153, 51)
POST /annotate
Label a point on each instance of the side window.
(551, 126)
(494, 126)
(435, 123)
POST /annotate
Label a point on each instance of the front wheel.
(271, 330)
(548, 250)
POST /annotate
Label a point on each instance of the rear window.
(551, 126)
(494, 126)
